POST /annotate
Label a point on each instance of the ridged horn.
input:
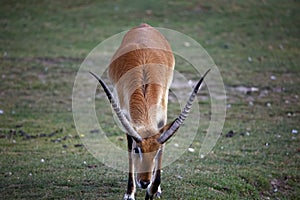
(180, 119)
(118, 111)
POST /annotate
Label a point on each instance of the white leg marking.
(129, 196)
(158, 194)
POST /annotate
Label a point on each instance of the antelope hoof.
(129, 197)
(151, 197)
(148, 197)
(157, 195)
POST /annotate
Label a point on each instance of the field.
(255, 45)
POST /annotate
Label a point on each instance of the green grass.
(42, 45)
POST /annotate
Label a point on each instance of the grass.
(254, 44)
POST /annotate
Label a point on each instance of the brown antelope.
(141, 71)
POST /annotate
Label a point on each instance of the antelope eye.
(160, 124)
(136, 150)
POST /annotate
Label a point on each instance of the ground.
(255, 45)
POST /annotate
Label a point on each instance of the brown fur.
(141, 70)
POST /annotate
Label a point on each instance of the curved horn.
(118, 111)
(180, 119)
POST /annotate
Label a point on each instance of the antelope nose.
(144, 184)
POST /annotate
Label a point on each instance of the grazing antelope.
(142, 71)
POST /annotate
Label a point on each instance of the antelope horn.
(118, 110)
(180, 119)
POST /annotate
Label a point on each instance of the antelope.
(141, 71)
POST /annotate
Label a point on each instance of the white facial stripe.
(137, 150)
(137, 182)
(157, 154)
(140, 154)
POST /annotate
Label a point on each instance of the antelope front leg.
(154, 189)
(130, 188)
(131, 184)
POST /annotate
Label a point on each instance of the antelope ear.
(164, 133)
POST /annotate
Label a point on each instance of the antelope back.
(141, 71)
